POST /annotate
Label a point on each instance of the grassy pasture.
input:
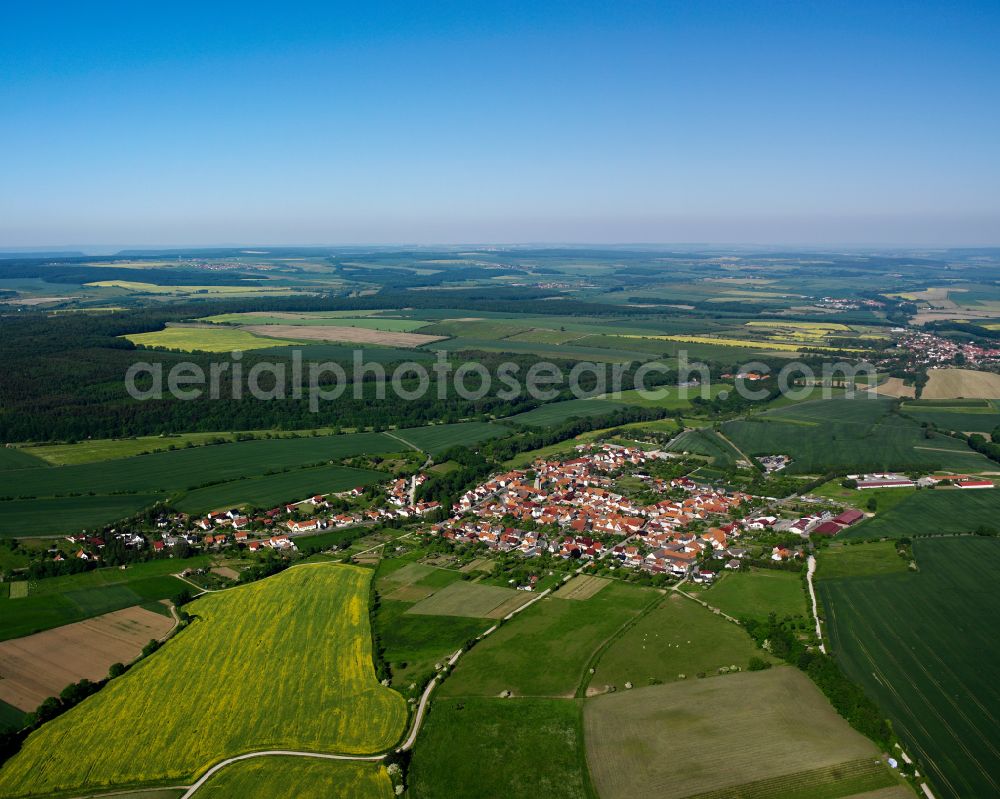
(475, 748)
(302, 777)
(545, 650)
(940, 510)
(758, 592)
(10, 717)
(21, 518)
(273, 489)
(677, 637)
(190, 468)
(924, 646)
(234, 681)
(962, 419)
(858, 560)
(657, 741)
(557, 412)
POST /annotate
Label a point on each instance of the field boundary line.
(402, 440)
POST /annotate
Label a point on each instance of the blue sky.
(703, 121)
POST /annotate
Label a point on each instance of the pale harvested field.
(510, 605)
(410, 593)
(479, 564)
(583, 586)
(18, 589)
(687, 738)
(226, 571)
(352, 335)
(472, 600)
(893, 387)
(41, 665)
(964, 383)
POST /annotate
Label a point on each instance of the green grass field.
(677, 637)
(475, 600)
(274, 489)
(202, 339)
(301, 777)
(854, 435)
(190, 468)
(10, 717)
(17, 458)
(415, 643)
(243, 677)
(706, 442)
(924, 645)
(941, 510)
(23, 518)
(55, 601)
(546, 649)
(659, 741)
(477, 748)
(675, 399)
(441, 437)
(858, 560)
(556, 413)
(757, 592)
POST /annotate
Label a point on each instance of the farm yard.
(924, 645)
(677, 637)
(312, 778)
(479, 748)
(778, 733)
(257, 635)
(39, 666)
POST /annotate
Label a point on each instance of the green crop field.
(770, 725)
(556, 413)
(678, 637)
(415, 643)
(675, 399)
(941, 510)
(10, 717)
(849, 434)
(204, 339)
(301, 777)
(925, 646)
(22, 518)
(703, 441)
(858, 560)
(190, 468)
(546, 649)
(475, 600)
(758, 592)
(277, 488)
(243, 677)
(15, 458)
(441, 437)
(476, 748)
(55, 601)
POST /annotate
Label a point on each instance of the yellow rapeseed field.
(284, 663)
(737, 342)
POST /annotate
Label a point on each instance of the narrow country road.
(272, 753)
(812, 597)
